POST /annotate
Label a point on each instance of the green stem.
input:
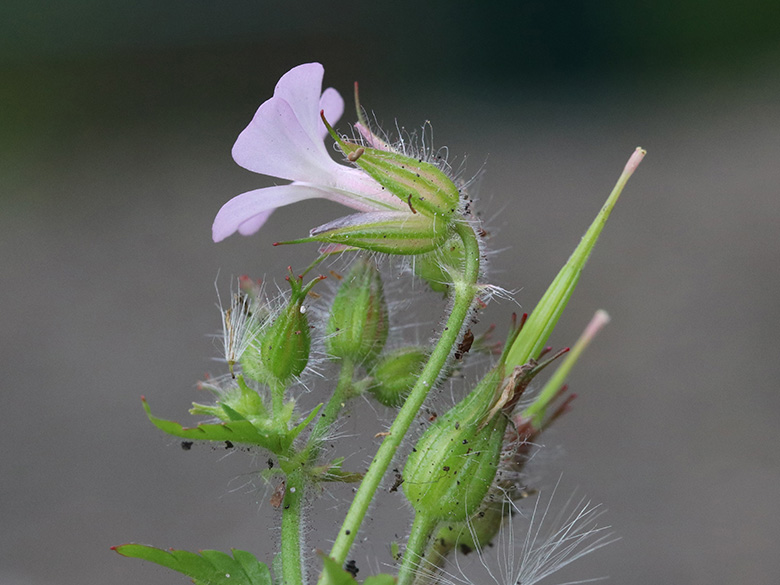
(331, 410)
(416, 548)
(465, 292)
(277, 398)
(292, 569)
(292, 539)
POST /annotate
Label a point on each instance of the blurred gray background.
(116, 123)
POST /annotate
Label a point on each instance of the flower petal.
(251, 226)
(247, 212)
(301, 88)
(276, 144)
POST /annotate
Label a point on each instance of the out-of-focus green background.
(116, 123)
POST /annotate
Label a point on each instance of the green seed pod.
(358, 324)
(451, 468)
(281, 351)
(394, 374)
(475, 534)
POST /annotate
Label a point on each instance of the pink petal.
(247, 212)
(276, 144)
(301, 88)
(251, 226)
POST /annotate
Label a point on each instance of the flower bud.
(451, 468)
(281, 351)
(394, 374)
(440, 267)
(358, 324)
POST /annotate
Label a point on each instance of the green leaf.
(238, 430)
(297, 430)
(211, 567)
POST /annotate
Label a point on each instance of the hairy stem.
(277, 397)
(465, 292)
(292, 537)
(416, 549)
(331, 410)
(292, 569)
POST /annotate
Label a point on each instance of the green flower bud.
(394, 374)
(438, 268)
(451, 468)
(358, 324)
(280, 351)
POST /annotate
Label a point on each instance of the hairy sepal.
(388, 232)
(420, 184)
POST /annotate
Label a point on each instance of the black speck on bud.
(358, 324)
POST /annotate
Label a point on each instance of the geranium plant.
(465, 473)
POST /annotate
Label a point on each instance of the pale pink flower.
(285, 139)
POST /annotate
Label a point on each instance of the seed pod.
(453, 464)
(394, 374)
(358, 324)
(281, 351)
(475, 534)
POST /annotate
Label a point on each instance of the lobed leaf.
(238, 430)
